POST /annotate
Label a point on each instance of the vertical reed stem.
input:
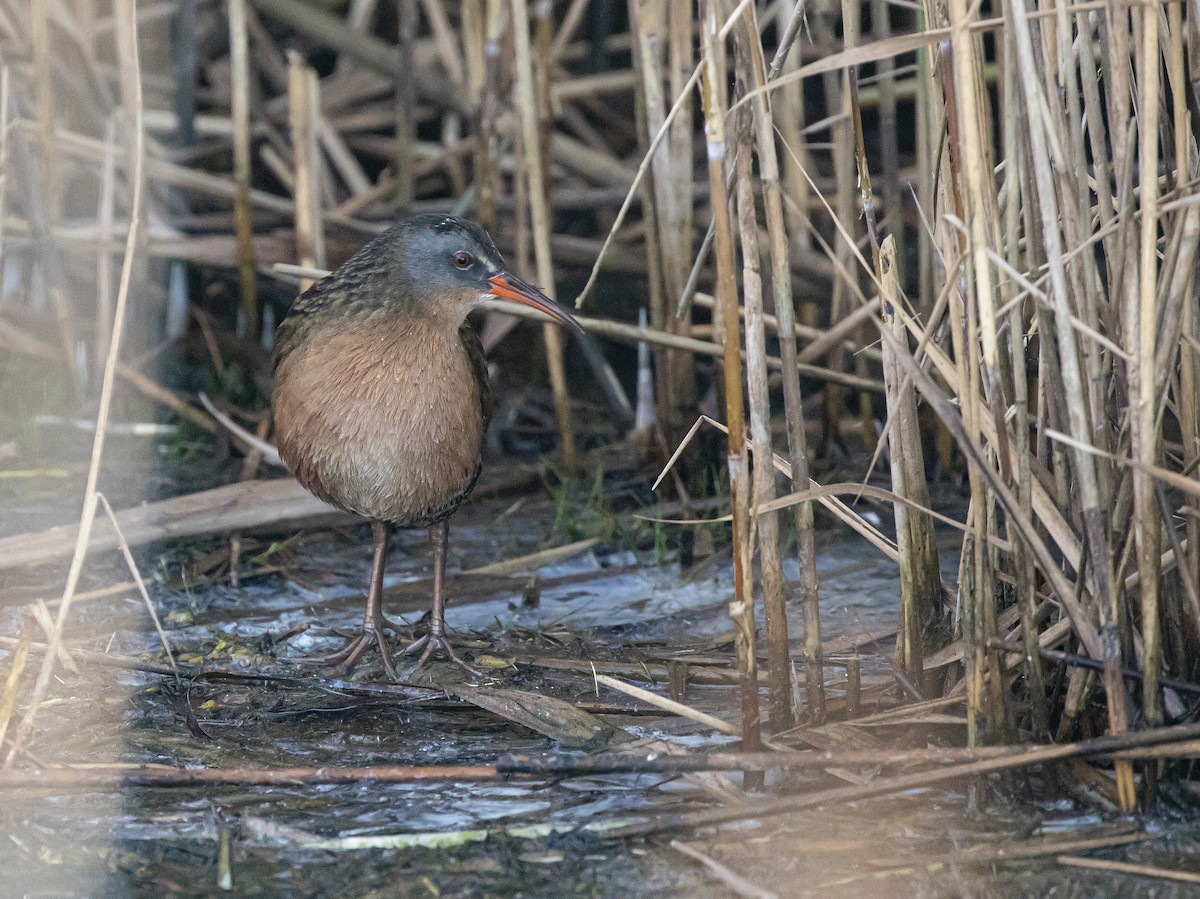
(770, 566)
(920, 575)
(306, 164)
(239, 59)
(1026, 575)
(793, 401)
(406, 101)
(741, 610)
(486, 176)
(837, 101)
(975, 171)
(1143, 395)
(539, 209)
(1104, 595)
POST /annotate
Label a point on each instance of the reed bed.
(989, 212)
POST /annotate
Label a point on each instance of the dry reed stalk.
(1142, 334)
(406, 103)
(1048, 517)
(973, 148)
(793, 136)
(547, 107)
(920, 576)
(269, 59)
(242, 505)
(330, 31)
(487, 176)
(43, 184)
(998, 759)
(342, 160)
(656, 761)
(1094, 515)
(736, 883)
(1117, 867)
(105, 227)
(681, 64)
(566, 30)
(766, 523)
(647, 88)
(851, 31)
(764, 128)
(1187, 399)
(131, 94)
(643, 167)
(648, 21)
(821, 340)
(539, 208)
(303, 108)
(1025, 576)
(929, 129)
(973, 584)
(444, 41)
(667, 25)
(239, 54)
(18, 661)
(127, 554)
(1017, 650)
(474, 38)
(837, 97)
(741, 609)
(44, 113)
(890, 183)
(670, 705)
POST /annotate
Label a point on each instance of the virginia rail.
(382, 398)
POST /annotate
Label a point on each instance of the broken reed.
(1051, 320)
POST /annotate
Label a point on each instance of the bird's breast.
(382, 418)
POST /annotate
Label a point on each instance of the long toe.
(357, 647)
(385, 656)
(352, 647)
(345, 660)
(430, 644)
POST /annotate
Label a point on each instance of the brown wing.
(474, 348)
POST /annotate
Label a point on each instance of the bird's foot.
(373, 633)
(428, 645)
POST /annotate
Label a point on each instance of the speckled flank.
(372, 418)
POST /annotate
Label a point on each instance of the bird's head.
(452, 265)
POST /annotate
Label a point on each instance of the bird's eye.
(463, 259)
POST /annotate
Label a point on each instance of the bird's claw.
(428, 645)
(345, 660)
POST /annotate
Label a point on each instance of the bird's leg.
(436, 638)
(374, 624)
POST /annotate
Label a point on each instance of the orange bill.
(510, 287)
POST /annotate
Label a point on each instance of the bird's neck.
(431, 319)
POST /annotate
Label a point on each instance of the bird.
(381, 397)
